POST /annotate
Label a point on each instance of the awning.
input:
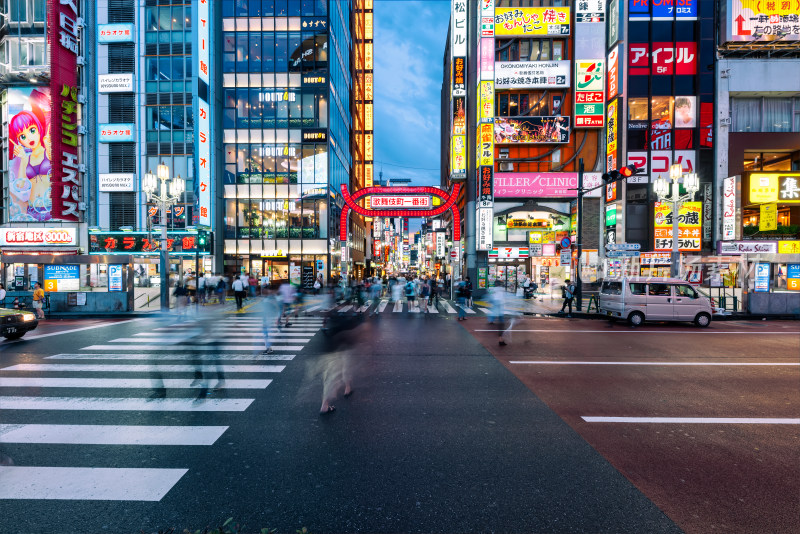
(11, 251)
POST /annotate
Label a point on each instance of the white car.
(639, 299)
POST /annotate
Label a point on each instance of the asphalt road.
(705, 421)
(441, 434)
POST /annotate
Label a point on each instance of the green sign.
(611, 215)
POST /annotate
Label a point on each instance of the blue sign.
(762, 278)
(115, 33)
(565, 242)
(793, 270)
(320, 265)
(639, 10)
(62, 277)
(117, 133)
(115, 277)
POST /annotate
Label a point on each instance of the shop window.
(637, 109)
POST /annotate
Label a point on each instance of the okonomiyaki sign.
(535, 184)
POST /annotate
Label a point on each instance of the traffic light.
(622, 172)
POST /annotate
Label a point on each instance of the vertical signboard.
(762, 278)
(612, 132)
(203, 136)
(729, 208)
(62, 131)
(458, 90)
(485, 130)
(589, 93)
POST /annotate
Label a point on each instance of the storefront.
(39, 243)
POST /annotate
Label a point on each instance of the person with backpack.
(569, 294)
(410, 293)
(461, 299)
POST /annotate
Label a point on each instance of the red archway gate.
(448, 203)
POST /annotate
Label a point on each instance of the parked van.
(639, 299)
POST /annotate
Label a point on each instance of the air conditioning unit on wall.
(506, 166)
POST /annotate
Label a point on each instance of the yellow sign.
(534, 237)
(788, 247)
(486, 102)
(768, 217)
(690, 223)
(368, 121)
(486, 145)
(521, 223)
(611, 135)
(368, 150)
(783, 187)
(549, 21)
(459, 154)
(368, 86)
(549, 237)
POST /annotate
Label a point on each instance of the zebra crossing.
(168, 372)
(384, 305)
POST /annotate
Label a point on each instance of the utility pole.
(579, 237)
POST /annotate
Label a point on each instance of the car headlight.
(28, 317)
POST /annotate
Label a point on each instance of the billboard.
(531, 74)
(639, 10)
(116, 133)
(531, 130)
(690, 220)
(29, 166)
(612, 132)
(667, 58)
(62, 278)
(589, 93)
(486, 100)
(547, 21)
(750, 20)
(535, 184)
(658, 162)
(614, 78)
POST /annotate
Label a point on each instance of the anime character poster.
(29, 154)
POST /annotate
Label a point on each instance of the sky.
(409, 41)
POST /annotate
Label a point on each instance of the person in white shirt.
(239, 291)
(287, 296)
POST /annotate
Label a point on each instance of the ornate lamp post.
(670, 192)
(165, 194)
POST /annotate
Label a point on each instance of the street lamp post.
(670, 192)
(165, 194)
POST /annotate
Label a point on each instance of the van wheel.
(702, 320)
(636, 319)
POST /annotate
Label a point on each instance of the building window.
(530, 49)
(765, 114)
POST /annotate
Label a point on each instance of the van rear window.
(612, 288)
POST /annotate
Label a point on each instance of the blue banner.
(662, 9)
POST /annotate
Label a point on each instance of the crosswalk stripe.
(467, 309)
(190, 348)
(485, 310)
(111, 434)
(345, 308)
(413, 307)
(398, 306)
(365, 307)
(87, 483)
(250, 338)
(432, 309)
(140, 368)
(447, 307)
(382, 306)
(123, 383)
(124, 404)
(204, 357)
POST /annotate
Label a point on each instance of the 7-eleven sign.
(503, 253)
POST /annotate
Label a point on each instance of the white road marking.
(125, 404)
(668, 332)
(432, 309)
(171, 356)
(365, 307)
(137, 368)
(313, 308)
(190, 348)
(344, 308)
(466, 309)
(122, 383)
(697, 420)
(87, 483)
(382, 306)
(111, 434)
(39, 336)
(413, 307)
(485, 310)
(250, 338)
(678, 364)
(447, 307)
(398, 306)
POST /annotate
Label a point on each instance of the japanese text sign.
(531, 21)
(690, 221)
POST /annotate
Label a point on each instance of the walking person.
(239, 292)
(38, 300)
(425, 293)
(318, 283)
(2, 296)
(468, 291)
(272, 314)
(569, 294)
(461, 299)
(497, 297)
(410, 294)
(287, 297)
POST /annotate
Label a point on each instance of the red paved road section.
(705, 477)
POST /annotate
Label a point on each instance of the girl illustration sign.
(29, 154)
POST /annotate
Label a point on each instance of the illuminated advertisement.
(144, 243)
(116, 182)
(484, 223)
(401, 202)
(459, 151)
(611, 135)
(487, 59)
(750, 20)
(116, 133)
(487, 100)
(486, 145)
(531, 74)
(590, 11)
(459, 76)
(459, 116)
(38, 236)
(614, 87)
(658, 162)
(115, 33)
(30, 169)
(729, 208)
(685, 111)
(531, 130)
(62, 277)
(783, 187)
(589, 93)
(63, 31)
(485, 187)
(531, 21)
(667, 58)
(459, 29)
(535, 184)
(639, 10)
(690, 220)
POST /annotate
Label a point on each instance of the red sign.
(587, 121)
(613, 73)
(588, 97)
(63, 39)
(663, 59)
(707, 124)
(401, 202)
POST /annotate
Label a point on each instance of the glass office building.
(285, 82)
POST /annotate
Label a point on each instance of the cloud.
(409, 45)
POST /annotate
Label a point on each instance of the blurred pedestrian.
(497, 297)
(38, 300)
(287, 298)
(252, 285)
(468, 291)
(271, 318)
(461, 299)
(410, 290)
(569, 294)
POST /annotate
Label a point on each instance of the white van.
(638, 299)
